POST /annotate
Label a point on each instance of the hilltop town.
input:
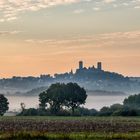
(91, 78)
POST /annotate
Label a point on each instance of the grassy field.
(70, 128)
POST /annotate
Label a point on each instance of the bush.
(116, 107)
(132, 101)
(105, 111)
(63, 112)
(33, 112)
(126, 111)
(83, 111)
(93, 112)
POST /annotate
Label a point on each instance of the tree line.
(65, 99)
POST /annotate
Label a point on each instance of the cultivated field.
(71, 128)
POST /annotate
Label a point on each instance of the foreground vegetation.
(70, 128)
(53, 102)
(130, 107)
(71, 136)
(66, 99)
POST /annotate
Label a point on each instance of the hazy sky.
(49, 36)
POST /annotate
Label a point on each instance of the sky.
(51, 36)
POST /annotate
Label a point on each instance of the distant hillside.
(137, 79)
(36, 91)
(33, 92)
(105, 93)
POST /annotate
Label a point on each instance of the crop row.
(67, 126)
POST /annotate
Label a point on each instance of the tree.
(75, 96)
(105, 111)
(3, 104)
(59, 95)
(126, 111)
(83, 111)
(132, 101)
(43, 99)
(93, 112)
(54, 96)
(116, 107)
(22, 106)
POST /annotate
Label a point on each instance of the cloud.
(78, 11)
(3, 33)
(110, 4)
(2, 20)
(96, 9)
(137, 7)
(10, 9)
(96, 40)
(109, 1)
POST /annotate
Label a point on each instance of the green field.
(70, 128)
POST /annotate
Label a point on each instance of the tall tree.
(75, 96)
(54, 96)
(3, 104)
(43, 99)
(60, 95)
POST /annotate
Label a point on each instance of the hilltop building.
(99, 65)
(80, 64)
(82, 68)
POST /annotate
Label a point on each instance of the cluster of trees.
(59, 99)
(59, 96)
(130, 107)
(65, 99)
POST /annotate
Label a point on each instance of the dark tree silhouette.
(43, 99)
(59, 95)
(3, 104)
(133, 101)
(22, 106)
(75, 96)
(54, 96)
